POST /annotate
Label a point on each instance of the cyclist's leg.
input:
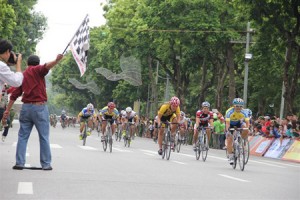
(195, 136)
(113, 127)
(160, 138)
(173, 119)
(208, 132)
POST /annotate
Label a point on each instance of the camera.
(12, 59)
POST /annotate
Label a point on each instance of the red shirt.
(33, 86)
(204, 117)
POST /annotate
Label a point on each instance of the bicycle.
(238, 148)
(247, 150)
(127, 138)
(202, 143)
(84, 132)
(118, 135)
(108, 136)
(167, 143)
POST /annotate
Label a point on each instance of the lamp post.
(248, 57)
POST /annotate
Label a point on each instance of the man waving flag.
(80, 45)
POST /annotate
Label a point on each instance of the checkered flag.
(80, 45)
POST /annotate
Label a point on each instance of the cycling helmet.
(205, 104)
(238, 102)
(90, 106)
(174, 101)
(63, 112)
(182, 114)
(111, 105)
(123, 112)
(128, 109)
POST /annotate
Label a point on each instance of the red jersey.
(204, 118)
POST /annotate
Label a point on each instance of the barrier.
(293, 153)
(278, 148)
(260, 145)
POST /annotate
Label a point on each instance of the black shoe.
(160, 152)
(47, 168)
(18, 167)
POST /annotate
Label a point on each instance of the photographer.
(8, 58)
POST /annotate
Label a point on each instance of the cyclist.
(204, 118)
(169, 111)
(183, 125)
(63, 117)
(108, 112)
(237, 117)
(87, 113)
(131, 117)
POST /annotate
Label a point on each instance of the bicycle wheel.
(241, 155)
(247, 150)
(234, 158)
(104, 143)
(198, 151)
(84, 136)
(110, 141)
(178, 146)
(163, 149)
(204, 147)
(168, 147)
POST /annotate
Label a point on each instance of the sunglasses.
(239, 106)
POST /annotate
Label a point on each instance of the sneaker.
(159, 152)
(17, 167)
(102, 138)
(230, 159)
(3, 138)
(47, 168)
(80, 137)
(194, 147)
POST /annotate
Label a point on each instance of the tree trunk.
(230, 63)
(153, 100)
(221, 75)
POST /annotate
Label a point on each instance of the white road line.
(278, 163)
(182, 163)
(55, 146)
(233, 178)
(187, 155)
(149, 154)
(87, 148)
(25, 188)
(265, 163)
(148, 151)
(121, 150)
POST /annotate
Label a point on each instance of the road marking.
(277, 163)
(183, 154)
(148, 151)
(233, 178)
(266, 163)
(121, 150)
(55, 146)
(88, 148)
(182, 163)
(25, 188)
(149, 154)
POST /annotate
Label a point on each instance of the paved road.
(138, 172)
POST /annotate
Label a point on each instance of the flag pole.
(74, 34)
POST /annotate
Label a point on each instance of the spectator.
(289, 131)
(34, 110)
(6, 75)
(274, 129)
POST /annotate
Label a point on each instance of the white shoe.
(3, 138)
(230, 159)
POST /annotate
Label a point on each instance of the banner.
(261, 146)
(278, 148)
(80, 45)
(293, 153)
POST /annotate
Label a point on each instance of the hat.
(261, 117)
(33, 60)
(267, 117)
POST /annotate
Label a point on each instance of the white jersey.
(183, 120)
(130, 115)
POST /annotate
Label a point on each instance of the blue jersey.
(86, 113)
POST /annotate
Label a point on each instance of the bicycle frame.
(238, 148)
